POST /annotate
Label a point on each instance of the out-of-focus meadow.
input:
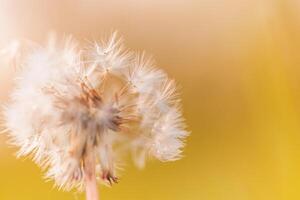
(238, 64)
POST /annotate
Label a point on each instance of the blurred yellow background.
(239, 67)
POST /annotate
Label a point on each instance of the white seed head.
(71, 105)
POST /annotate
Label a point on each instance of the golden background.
(239, 67)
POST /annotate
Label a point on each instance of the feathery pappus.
(74, 109)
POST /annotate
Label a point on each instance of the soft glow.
(238, 64)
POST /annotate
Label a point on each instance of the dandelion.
(74, 110)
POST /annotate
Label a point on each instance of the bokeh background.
(238, 65)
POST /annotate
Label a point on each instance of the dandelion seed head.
(70, 106)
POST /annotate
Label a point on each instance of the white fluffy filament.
(73, 110)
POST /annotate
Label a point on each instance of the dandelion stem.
(91, 189)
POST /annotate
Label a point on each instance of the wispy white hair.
(72, 105)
